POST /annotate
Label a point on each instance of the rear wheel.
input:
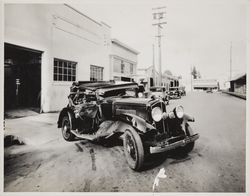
(66, 129)
(133, 149)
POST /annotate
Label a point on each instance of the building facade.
(150, 77)
(238, 84)
(123, 61)
(170, 81)
(48, 46)
(204, 84)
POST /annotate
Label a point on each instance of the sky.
(198, 33)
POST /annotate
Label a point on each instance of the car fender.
(70, 113)
(136, 122)
(188, 118)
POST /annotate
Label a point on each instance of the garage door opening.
(22, 78)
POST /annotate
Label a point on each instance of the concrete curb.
(235, 94)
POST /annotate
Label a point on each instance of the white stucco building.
(123, 61)
(47, 46)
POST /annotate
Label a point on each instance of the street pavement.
(48, 163)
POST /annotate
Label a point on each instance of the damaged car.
(160, 92)
(105, 111)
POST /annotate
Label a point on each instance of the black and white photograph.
(115, 96)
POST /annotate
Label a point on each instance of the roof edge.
(79, 12)
(116, 41)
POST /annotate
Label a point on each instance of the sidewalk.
(242, 96)
(34, 130)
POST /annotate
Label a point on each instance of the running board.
(84, 136)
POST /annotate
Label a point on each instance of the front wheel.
(190, 146)
(133, 149)
(66, 129)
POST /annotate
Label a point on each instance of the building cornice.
(79, 12)
(119, 43)
(123, 59)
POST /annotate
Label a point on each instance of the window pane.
(96, 73)
(64, 70)
(55, 70)
(60, 71)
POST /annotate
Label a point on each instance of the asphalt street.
(48, 163)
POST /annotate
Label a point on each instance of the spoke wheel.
(133, 149)
(66, 128)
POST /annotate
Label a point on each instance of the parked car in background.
(160, 92)
(182, 90)
(209, 90)
(105, 111)
(174, 93)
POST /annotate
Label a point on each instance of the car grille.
(161, 125)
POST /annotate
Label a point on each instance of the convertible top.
(105, 85)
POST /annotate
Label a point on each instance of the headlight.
(156, 114)
(179, 111)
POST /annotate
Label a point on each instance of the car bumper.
(166, 146)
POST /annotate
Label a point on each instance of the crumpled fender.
(136, 122)
(187, 118)
(71, 115)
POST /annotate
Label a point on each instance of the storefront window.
(131, 68)
(122, 67)
(96, 73)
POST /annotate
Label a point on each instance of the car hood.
(135, 101)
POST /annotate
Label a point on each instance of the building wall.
(120, 53)
(59, 32)
(238, 86)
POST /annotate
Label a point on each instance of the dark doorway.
(22, 77)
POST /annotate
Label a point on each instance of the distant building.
(169, 80)
(204, 84)
(146, 77)
(150, 77)
(238, 84)
(123, 61)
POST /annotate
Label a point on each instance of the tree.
(167, 72)
(194, 72)
(199, 74)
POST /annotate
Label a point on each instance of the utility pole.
(154, 84)
(231, 60)
(159, 15)
(191, 79)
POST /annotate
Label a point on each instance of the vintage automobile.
(182, 90)
(174, 93)
(105, 111)
(159, 92)
(209, 90)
